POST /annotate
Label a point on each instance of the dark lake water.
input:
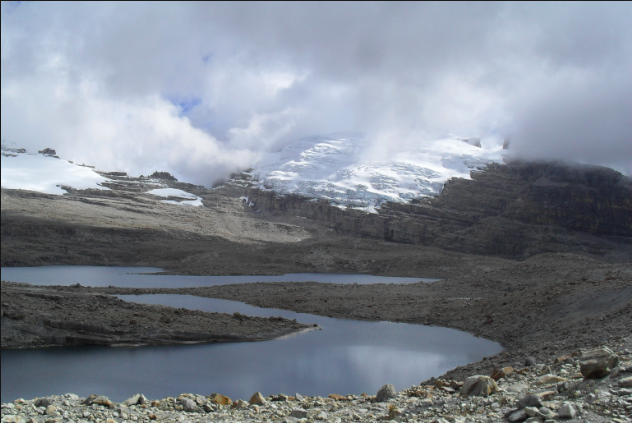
(133, 277)
(346, 356)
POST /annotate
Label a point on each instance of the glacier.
(340, 169)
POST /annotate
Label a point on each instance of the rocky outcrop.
(514, 211)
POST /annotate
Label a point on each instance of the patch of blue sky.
(186, 104)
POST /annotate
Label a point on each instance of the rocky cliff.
(514, 210)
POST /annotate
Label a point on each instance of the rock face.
(598, 363)
(514, 210)
(480, 386)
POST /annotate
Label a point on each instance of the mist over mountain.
(205, 89)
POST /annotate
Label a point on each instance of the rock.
(138, 399)
(220, 399)
(257, 399)
(517, 387)
(531, 411)
(531, 400)
(598, 363)
(532, 420)
(337, 397)
(48, 152)
(240, 405)
(187, 404)
(99, 400)
(43, 402)
(548, 379)
(321, 416)
(567, 411)
(517, 416)
(51, 410)
(209, 408)
(298, 413)
(299, 397)
(499, 373)
(626, 382)
(478, 385)
(545, 413)
(385, 393)
(530, 361)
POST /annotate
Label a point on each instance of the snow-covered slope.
(45, 173)
(338, 169)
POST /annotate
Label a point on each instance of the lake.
(141, 277)
(345, 357)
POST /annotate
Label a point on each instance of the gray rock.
(518, 416)
(545, 413)
(532, 420)
(138, 399)
(478, 385)
(531, 411)
(530, 361)
(321, 416)
(530, 401)
(209, 408)
(385, 393)
(187, 404)
(51, 410)
(567, 411)
(626, 382)
(299, 413)
(43, 402)
(598, 363)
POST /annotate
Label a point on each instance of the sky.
(205, 89)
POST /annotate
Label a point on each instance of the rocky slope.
(514, 211)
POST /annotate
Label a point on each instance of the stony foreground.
(592, 385)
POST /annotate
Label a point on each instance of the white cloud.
(201, 89)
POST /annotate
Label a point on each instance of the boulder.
(626, 382)
(187, 404)
(51, 410)
(567, 411)
(337, 397)
(531, 411)
(299, 413)
(99, 400)
(43, 402)
(138, 399)
(517, 416)
(598, 363)
(548, 379)
(499, 373)
(385, 393)
(240, 405)
(220, 399)
(480, 386)
(257, 399)
(531, 400)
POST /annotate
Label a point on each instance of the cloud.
(202, 89)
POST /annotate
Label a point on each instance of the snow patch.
(192, 200)
(36, 172)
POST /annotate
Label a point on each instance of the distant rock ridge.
(514, 210)
(163, 175)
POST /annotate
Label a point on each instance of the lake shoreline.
(40, 316)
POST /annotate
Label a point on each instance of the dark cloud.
(137, 85)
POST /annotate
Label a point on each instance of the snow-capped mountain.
(339, 169)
